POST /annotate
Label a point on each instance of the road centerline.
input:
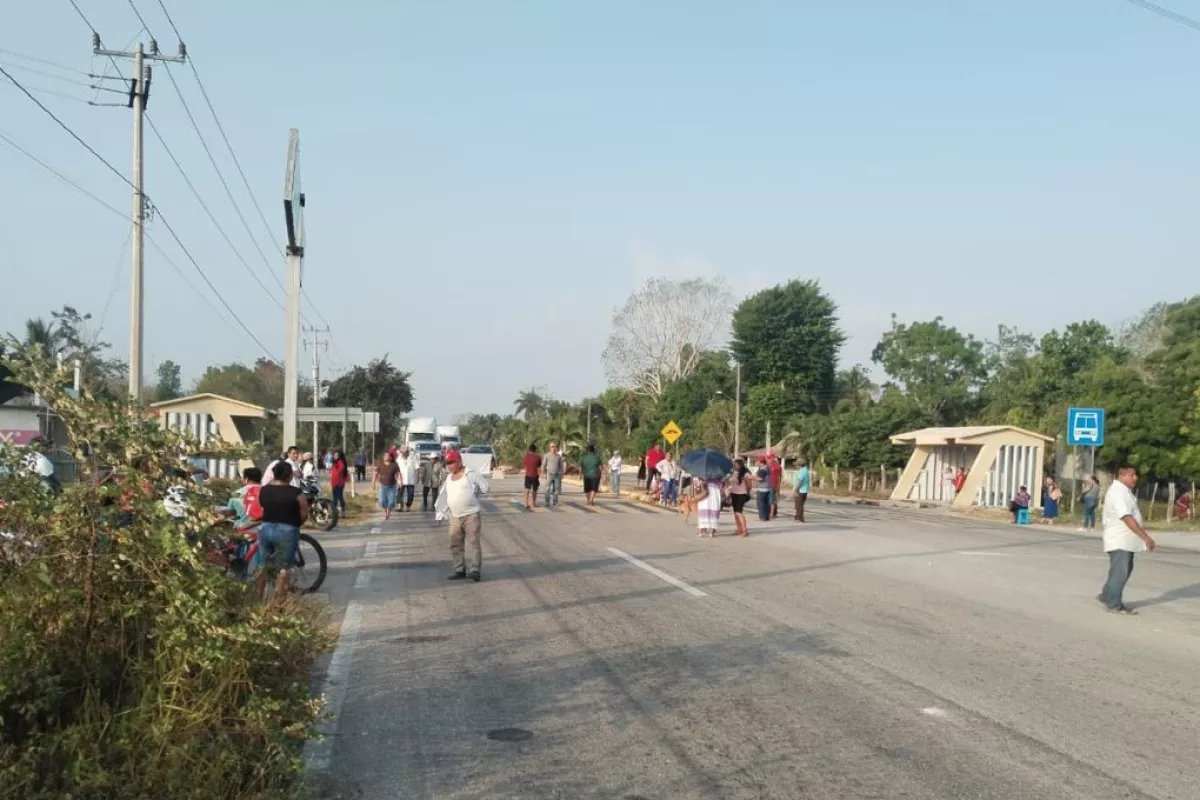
(658, 573)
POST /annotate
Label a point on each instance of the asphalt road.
(871, 653)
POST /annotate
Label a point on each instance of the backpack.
(251, 502)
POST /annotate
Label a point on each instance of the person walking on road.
(425, 476)
(438, 467)
(360, 466)
(410, 464)
(533, 468)
(552, 466)
(387, 481)
(589, 466)
(459, 500)
(668, 473)
(739, 495)
(614, 473)
(1123, 536)
(801, 482)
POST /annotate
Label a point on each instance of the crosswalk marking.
(572, 507)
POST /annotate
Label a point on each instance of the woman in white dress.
(708, 510)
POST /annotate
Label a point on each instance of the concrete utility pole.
(293, 213)
(589, 425)
(737, 415)
(139, 96)
(317, 345)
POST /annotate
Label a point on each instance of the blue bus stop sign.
(1085, 427)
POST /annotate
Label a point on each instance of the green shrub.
(129, 668)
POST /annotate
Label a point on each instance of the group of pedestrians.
(400, 472)
(552, 467)
(735, 491)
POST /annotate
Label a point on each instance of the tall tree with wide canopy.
(663, 331)
(789, 335)
(940, 368)
(379, 386)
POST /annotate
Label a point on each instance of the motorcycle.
(321, 512)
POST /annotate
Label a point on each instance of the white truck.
(449, 437)
(421, 429)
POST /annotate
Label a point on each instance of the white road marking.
(371, 549)
(376, 529)
(318, 753)
(658, 573)
(975, 553)
(933, 711)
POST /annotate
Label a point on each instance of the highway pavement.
(870, 653)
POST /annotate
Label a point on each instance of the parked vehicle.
(427, 450)
(321, 512)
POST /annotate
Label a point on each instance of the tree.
(789, 335)
(531, 403)
(480, 428)
(379, 386)
(715, 427)
(43, 336)
(170, 381)
(622, 404)
(854, 388)
(663, 331)
(936, 365)
(766, 402)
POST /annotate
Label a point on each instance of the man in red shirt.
(653, 456)
(776, 468)
(533, 468)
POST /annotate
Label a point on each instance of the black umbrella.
(707, 464)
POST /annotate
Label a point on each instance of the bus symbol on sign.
(1085, 427)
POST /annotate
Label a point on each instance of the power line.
(208, 152)
(66, 127)
(58, 174)
(36, 60)
(54, 93)
(161, 217)
(228, 146)
(73, 81)
(237, 253)
(1174, 16)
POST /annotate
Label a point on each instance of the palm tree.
(43, 335)
(854, 387)
(530, 404)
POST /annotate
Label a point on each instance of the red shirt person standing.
(775, 466)
(653, 456)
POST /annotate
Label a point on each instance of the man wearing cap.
(459, 500)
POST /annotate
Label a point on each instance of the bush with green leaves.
(129, 667)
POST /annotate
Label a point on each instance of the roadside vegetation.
(129, 668)
(674, 347)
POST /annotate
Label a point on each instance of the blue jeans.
(553, 488)
(339, 498)
(670, 491)
(1120, 567)
(407, 493)
(1089, 516)
(614, 479)
(277, 544)
(387, 497)
(764, 505)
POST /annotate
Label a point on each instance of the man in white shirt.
(410, 465)
(668, 473)
(614, 473)
(459, 500)
(1123, 536)
(293, 458)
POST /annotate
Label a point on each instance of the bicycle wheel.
(308, 571)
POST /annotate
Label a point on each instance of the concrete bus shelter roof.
(968, 434)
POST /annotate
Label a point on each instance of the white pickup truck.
(479, 458)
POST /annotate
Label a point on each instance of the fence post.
(882, 479)
(1170, 501)
(835, 477)
(1153, 495)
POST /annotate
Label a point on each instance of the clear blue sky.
(487, 180)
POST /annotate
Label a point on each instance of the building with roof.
(999, 459)
(212, 417)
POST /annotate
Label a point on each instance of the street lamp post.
(737, 413)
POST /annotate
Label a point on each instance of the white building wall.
(205, 429)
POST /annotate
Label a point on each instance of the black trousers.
(428, 492)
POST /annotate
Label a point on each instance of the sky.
(486, 181)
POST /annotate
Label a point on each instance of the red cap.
(452, 455)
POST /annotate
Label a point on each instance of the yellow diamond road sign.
(671, 432)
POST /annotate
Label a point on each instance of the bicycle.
(235, 555)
